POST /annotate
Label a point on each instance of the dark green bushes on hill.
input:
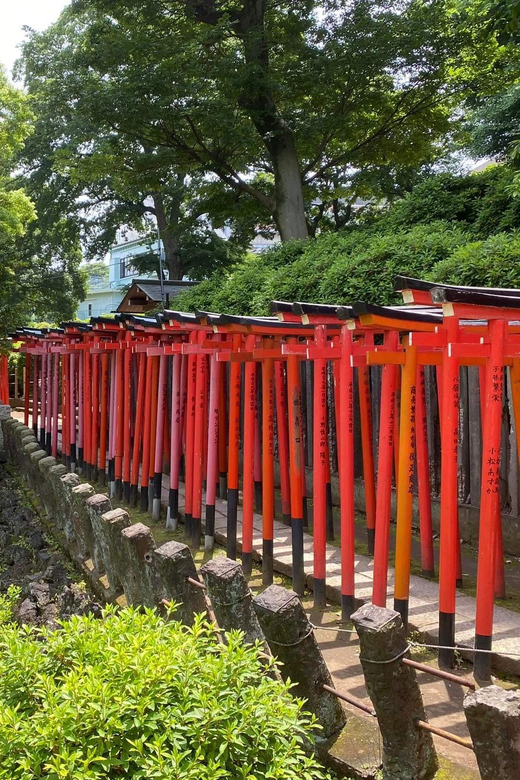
(482, 201)
(450, 228)
(137, 696)
(494, 262)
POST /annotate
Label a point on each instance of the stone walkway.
(423, 611)
(443, 700)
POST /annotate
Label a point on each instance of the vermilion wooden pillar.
(233, 451)
(175, 441)
(405, 483)
(248, 450)
(283, 441)
(384, 475)
(294, 405)
(449, 539)
(490, 488)
(128, 423)
(423, 479)
(320, 470)
(213, 451)
(138, 429)
(268, 404)
(162, 399)
(103, 424)
(346, 473)
(198, 446)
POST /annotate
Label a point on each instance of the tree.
(295, 107)
(33, 281)
(116, 183)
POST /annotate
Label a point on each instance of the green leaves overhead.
(296, 107)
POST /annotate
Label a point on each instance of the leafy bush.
(137, 696)
(368, 274)
(483, 201)
(491, 263)
(8, 603)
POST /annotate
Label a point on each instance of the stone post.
(408, 752)
(291, 639)
(175, 564)
(97, 505)
(139, 574)
(82, 527)
(493, 717)
(231, 598)
(65, 511)
(112, 524)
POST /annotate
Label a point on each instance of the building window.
(126, 268)
(90, 310)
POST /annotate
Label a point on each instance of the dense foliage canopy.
(35, 280)
(258, 115)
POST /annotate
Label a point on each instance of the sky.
(14, 14)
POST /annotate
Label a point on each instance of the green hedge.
(491, 263)
(459, 229)
(138, 696)
(482, 201)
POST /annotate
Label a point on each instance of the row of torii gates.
(131, 394)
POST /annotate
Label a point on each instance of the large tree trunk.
(289, 214)
(168, 231)
(258, 100)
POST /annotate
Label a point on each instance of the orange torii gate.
(135, 393)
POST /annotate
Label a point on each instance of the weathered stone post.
(291, 639)
(231, 598)
(408, 752)
(138, 573)
(175, 564)
(82, 527)
(493, 717)
(111, 525)
(97, 505)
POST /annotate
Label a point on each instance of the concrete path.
(443, 700)
(424, 604)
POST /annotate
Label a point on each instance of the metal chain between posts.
(291, 644)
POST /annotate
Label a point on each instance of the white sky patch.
(14, 14)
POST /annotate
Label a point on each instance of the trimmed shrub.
(491, 263)
(137, 696)
(483, 201)
(368, 274)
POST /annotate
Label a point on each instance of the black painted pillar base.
(187, 527)
(401, 606)
(209, 528)
(348, 606)
(482, 664)
(267, 561)
(298, 570)
(134, 493)
(126, 492)
(232, 510)
(172, 517)
(447, 638)
(196, 527)
(320, 597)
(144, 498)
(247, 563)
